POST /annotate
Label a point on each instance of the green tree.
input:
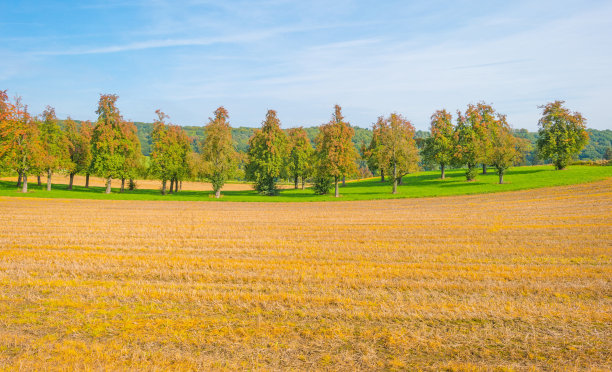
(170, 153)
(473, 137)
(300, 153)
(160, 150)
(79, 137)
(267, 155)
(108, 140)
(56, 147)
(399, 147)
(335, 151)
(608, 154)
(562, 134)
(133, 161)
(218, 153)
(374, 153)
(440, 146)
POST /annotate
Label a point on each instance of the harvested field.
(141, 184)
(520, 279)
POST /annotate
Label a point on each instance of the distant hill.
(599, 140)
(240, 136)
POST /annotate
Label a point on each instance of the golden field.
(79, 180)
(514, 280)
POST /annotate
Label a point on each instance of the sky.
(301, 58)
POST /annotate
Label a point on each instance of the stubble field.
(512, 280)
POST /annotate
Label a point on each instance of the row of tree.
(110, 147)
(36, 145)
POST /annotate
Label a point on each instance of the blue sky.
(302, 57)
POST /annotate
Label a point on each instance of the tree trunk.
(401, 180)
(296, 181)
(176, 182)
(343, 180)
(501, 178)
(394, 179)
(122, 184)
(337, 194)
(163, 191)
(382, 175)
(19, 179)
(442, 170)
(71, 181)
(49, 174)
(39, 183)
(484, 169)
(86, 180)
(171, 186)
(108, 185)
(303, 182)
(24, 187)
(218, 193)
(181, 186)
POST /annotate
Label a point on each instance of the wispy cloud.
(167, 43)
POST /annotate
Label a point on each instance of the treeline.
(324, 156)
(600, 141)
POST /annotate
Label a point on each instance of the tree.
(562, 134)
(608, 154)
(79, 137)
(20, 146)
(267, 155)
(218, 153)
(160, 157)
(335, 151)
(108, 142)
(300, 152)
(374, 153)
(133, 161)
(171, 148)
(181, 147)
(56, 147)
(7, 120)
(440, 146)
(399, 147)
(473, 137)
(505, 147)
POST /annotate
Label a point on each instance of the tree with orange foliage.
(335, 151)
(20, 145)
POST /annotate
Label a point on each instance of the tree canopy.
(267, 155)
(335, 152)
(562, 134)
(440, 145)
(300, 154)
(218, 152)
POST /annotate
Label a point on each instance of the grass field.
(423, 184)
(509, 281)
